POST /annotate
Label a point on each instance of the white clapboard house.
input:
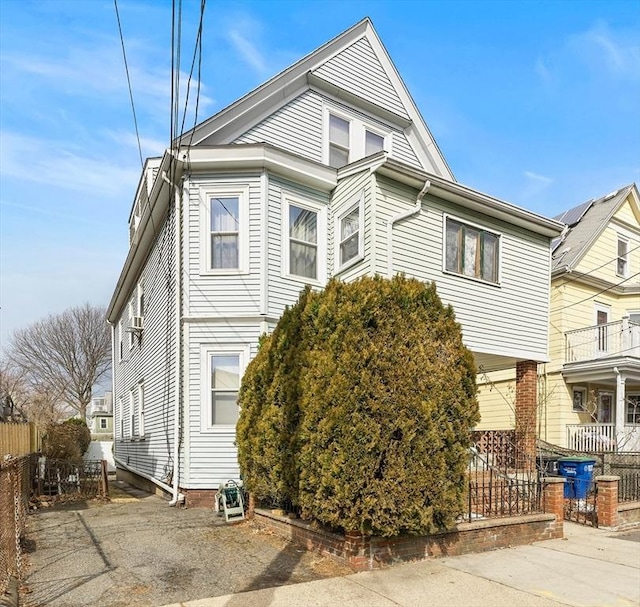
(327, 169)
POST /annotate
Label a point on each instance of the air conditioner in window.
(137, 323)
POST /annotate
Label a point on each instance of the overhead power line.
(126, 68)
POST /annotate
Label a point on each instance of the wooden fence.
(19, 439)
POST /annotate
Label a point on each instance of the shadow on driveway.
(144, 552)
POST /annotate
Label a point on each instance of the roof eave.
(472, 199)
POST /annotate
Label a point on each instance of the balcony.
(614, 339)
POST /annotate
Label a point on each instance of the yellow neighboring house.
(589, 391)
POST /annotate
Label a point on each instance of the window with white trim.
(579, 399)
(632, 409)
(140, 302)
(622, 265)
(103, 423)
(304, 239)
(303, 242)
(349, 231)
(339, 139)
(120, 340)
(348, 138)
(140, 408)
(373, 142)
(225, 230)
(471, 251)
(121, 417)
(132, 413)
(224, 381)
(132, 337)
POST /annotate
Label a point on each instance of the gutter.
(400, 217)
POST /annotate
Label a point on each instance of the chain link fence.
(16, 482)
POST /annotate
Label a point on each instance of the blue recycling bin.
(579, 474)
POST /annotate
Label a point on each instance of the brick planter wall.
(366, 553)
(628, 516)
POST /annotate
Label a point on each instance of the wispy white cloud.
(543, 71)
(536, 178)
(602, 50)
(75, 73)
(249, 53)
(56, 163)
(602, 47)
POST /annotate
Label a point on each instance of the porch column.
(526, 409)
(620, 406)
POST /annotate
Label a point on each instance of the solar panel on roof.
(574, 215)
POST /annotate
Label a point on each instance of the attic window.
(338, 141)
(623, 254)
(349, 138)
(373, 143)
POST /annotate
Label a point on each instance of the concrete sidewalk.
(589, 567)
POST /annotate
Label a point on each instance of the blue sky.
(537, 103)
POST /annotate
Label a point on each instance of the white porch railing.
(619, 338)
(591, 437)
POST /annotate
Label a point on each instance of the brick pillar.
(526, 409)
(607, 505)
(553, 500)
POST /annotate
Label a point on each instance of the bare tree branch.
(64, 354)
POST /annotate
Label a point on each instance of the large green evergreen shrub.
(359, 408)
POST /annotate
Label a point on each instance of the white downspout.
(414, 211)
(177, 496)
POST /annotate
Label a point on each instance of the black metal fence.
(502, 479)
(62, 478)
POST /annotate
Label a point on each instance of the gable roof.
(323, 70)
(584, 224)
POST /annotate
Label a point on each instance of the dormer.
(147, 179)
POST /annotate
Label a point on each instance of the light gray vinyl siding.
(221, 295)
(212, 454)
(346, 193)
(151, 360)
(358, 70)
(402, 150)
(296, 127)
(283, 290)
(510, 319)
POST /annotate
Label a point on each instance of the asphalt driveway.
(139, 551)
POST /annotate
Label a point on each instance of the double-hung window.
(303, 242)
(224, 382)
(623, 257)
(224, 218)
(349, 234)
(225, 233)
(132, 413)
(132, 338)
(103, 423)
(633, 409)
(349, 137)
(141, 409)
(471, 251)
(339, 140)
(141, 298)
